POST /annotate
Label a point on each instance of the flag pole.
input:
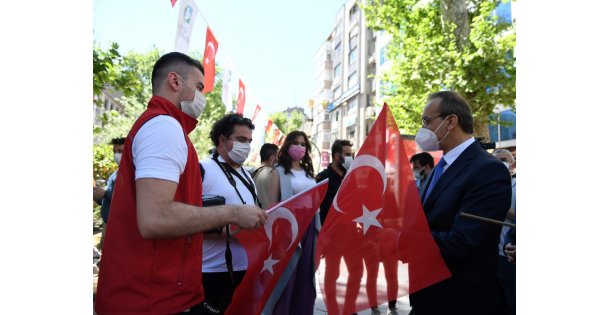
(471, 216)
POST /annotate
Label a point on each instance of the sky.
(270, 44)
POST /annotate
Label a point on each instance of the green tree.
(115, 72)
(279, 119)
(295, 121)
(454, 44)
(287, 124)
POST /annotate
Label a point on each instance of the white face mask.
(195, 107)
(507, 165)
(427, 139)
(418, 174)
(117, 157)
(240, 152)
(348, 161)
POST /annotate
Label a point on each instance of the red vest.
(145, 276)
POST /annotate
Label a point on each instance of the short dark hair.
(173, 61)
(225, 126)
(119, 141)
(454, 103)
(423, 158)
(268, 150)
(337, 146)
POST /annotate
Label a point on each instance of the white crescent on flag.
(212, 47)
(281, 213)
(241, 93)
(360, 161)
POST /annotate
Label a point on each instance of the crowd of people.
(168, 249)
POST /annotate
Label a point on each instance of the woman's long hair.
(285, 159)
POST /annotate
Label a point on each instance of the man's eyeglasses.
(428, 120)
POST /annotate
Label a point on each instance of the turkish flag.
(240, 101)
(211, 47)
(268, 125)
(173, 3)
(256, 112)
(277, 133)
(270, 249)
(375, 244)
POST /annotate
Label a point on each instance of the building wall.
(343, 94)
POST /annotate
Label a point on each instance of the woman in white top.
(294, 172)
(293, 175)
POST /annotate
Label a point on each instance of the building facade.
(343, 101)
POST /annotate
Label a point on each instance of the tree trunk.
(455, 11)
(480, 128)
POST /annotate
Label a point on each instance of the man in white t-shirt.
(224, 175)
(152, 252)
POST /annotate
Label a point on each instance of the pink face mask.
(296, 152)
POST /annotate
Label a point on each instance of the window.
(338, 71)
(352, 56)
(350, 132)
(352, 104)
(382, 55)
(352, 46)
(352, 80)
(338, 49)
(337, 92)
(337, 115)
(352, 13)
(352, 43)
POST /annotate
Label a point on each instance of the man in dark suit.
(467, 179)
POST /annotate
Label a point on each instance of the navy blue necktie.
(435, 179)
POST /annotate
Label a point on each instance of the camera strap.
(228, 252)
(248, 183)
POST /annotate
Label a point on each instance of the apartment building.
(343, 92)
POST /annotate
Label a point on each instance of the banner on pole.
(187, 15)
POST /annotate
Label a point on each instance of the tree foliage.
(287, 124)
(116, 73)
(436, 47)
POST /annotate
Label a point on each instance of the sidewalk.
(403, 305)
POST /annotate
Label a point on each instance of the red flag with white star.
(240, 101)
(375, 244)
(211, 48)
(270, 248)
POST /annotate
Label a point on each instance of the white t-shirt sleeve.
(160, 150)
